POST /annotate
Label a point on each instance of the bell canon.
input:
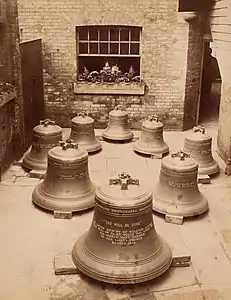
(151, 139)
(177, 192)
(45, 136)
(67, 185)
(118, 128)
(82, 132)
(199, 145)
(122, 246)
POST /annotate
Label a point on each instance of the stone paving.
(30, 238)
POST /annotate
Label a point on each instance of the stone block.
(64, 265)
(204, 179)
(62, 214)
(37, 174)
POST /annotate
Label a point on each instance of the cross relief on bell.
(124, 179)
(68, 144)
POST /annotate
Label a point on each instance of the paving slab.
(31, 237)
(186, 293)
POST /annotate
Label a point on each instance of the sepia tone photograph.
(115, 150)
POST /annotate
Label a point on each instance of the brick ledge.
(109, 88)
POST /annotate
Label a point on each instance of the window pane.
(103, 48)
(83, 48)
(114, 48)
(124, 35)
(134, 48)
(114, 34)
(135, 34)
(93, 48)
(83, 33)
(124, 48)
(103, 34)
(93, 34)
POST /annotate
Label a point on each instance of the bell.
(45, 136)
(67, 185)
(118, 129)
(122, 246)
(177, 192)
(199, 145)
(151, 139)
(82, 132)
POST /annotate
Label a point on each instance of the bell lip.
(151, 125)
(107, 277)
(34, 164)
(117, 137)
(78, 155)
(49, 130)
(122, 201)
(90, 148)
(118, 113)
(189, 209)
(137, 146)
(198, 137)
(83, 121)
(74, 204)
(211, 170)
(177, 165)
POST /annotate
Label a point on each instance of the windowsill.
(109, 88)
(7, 97)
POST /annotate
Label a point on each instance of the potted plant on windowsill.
(109, 80)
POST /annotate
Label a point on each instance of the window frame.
(108, 41)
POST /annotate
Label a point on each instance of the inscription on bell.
(182, 184)
(74, 176)
(44, 146)
(129, 235)
(124, 211)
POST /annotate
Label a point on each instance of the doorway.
(32, 85)
(210, 88)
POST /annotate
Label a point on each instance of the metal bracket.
(199, 128)
(82, 114)
(68, 144)
(47, 122)
(153, 118)
(181, 261)
(119, 107)
(124, 179)
(181, 154)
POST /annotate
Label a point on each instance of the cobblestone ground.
(30, 238)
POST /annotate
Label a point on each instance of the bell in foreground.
(118, 128)
(151, 139)
(122, 245)
(199, 145)
(45, 136)
(82, 132)
(177, 192)
(67, 185)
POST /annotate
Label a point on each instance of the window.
(117, 45)
(195, 5)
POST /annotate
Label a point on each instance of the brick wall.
(221, 45)
(11, 113)
(164, 54)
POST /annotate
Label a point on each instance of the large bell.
(122, 246)
(177, 191)
(82, 132)
(199, 145)
(118, 128)
(151, 139)
(67, 185)
(45, 136)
